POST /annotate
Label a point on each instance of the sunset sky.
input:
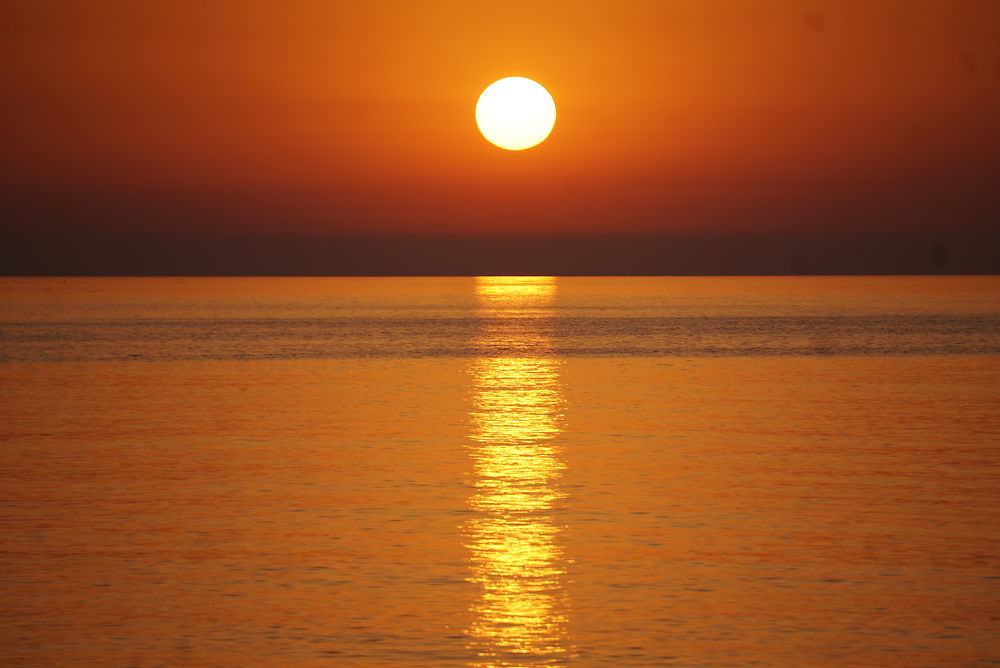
(190, 126)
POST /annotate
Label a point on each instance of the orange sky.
(357, 117)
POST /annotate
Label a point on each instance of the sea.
(500, 471)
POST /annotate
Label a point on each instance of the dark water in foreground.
(500, 472)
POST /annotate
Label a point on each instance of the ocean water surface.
(500, 471)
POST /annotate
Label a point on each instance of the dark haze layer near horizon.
(821, 254)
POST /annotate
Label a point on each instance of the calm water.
(500, 472)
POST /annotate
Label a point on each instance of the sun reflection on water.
(519, 617)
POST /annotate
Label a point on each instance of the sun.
(515, 113)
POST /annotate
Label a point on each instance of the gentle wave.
(402, 337)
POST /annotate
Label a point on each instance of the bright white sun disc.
(515, 113)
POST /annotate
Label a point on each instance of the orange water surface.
(523, 471)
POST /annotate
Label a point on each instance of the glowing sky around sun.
(356, 118)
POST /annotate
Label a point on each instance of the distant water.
(163, 319)
(500, 471)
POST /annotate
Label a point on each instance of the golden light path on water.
(520, 615)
